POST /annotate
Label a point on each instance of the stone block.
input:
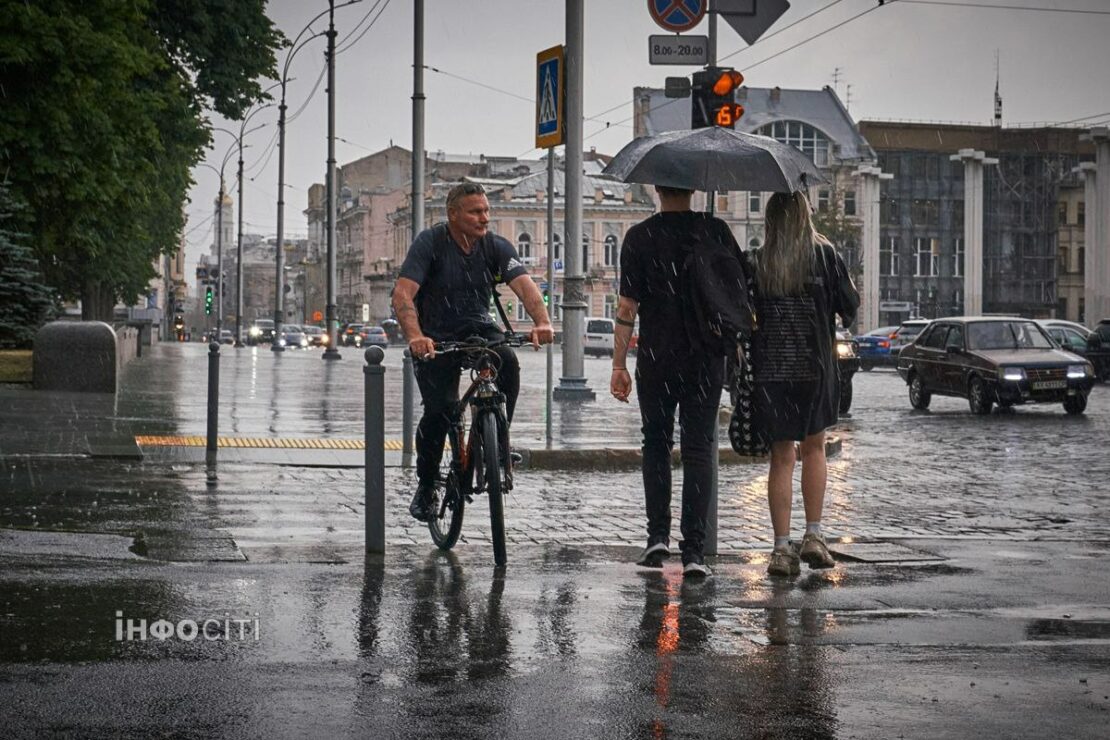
(76, 356)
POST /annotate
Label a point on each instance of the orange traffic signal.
(728, 114)
(727, 81)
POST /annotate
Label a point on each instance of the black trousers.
(438, 380)
(695, 390)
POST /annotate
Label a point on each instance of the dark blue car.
(874, 348)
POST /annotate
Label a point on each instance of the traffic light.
(546, 298)
(208, 295)
(713, 98)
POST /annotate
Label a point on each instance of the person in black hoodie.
(670, 373)
(802, 285)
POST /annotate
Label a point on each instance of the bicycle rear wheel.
(491, 458)
(448, 503)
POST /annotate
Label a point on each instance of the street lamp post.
(239, 242)
(296, 46)
(332, 352)
(220, 231)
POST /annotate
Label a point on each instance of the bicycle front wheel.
(491, 459)
(446, 507)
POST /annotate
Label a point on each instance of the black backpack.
(718, 309)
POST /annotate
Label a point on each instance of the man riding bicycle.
(443, 294)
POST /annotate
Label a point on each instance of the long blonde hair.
(786, 260)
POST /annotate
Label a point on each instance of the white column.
(1090, 254)
(869, 179)
(973, 227)
(1097, 234)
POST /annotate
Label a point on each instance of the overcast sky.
(904, 60)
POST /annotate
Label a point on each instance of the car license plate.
(1048, 385)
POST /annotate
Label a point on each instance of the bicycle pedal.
(516, 458)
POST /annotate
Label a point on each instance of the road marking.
(285, 443)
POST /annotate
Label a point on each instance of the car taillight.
(884, 344)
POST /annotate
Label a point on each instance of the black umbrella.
(715, 159)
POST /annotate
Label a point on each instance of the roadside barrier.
(375, 449)
(213, 409)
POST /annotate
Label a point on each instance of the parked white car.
(599, 336)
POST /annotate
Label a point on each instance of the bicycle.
(481, 462)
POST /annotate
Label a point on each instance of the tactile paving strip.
(286, 443)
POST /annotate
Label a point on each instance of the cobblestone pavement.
(1031, 474)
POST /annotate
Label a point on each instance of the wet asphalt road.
(990, 615)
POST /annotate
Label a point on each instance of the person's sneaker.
(421, 501)
(654, 554)
(693, 566)
(784, 562)
(815, 552)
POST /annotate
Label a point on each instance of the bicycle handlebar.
(477, 344)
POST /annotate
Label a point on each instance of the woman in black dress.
(802, 285)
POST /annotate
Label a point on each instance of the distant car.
(874, 348)
(393, 331)
(988, 360)
(1082, 341)
(599, 337)
(847, 364)
(226, 337)
(349, 335)
(261, 332)
(293, 337)
(372, 336)
(317, 337)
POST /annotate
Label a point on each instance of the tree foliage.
(102, 117)
(26, 303)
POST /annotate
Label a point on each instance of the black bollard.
(375, 450)
(213, 408)
(407, 382)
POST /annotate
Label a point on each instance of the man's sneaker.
(784, 562)
(815, 552)
(421, 502)
(654, 555)
(693, 566)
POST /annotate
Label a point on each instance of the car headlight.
(324, 339)
(1080, 371)
(1013, 374)
(843, 349)
(255, 331)
(304, 342)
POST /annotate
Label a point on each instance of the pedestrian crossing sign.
(550, 98)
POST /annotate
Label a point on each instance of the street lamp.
(239, 242)
(296, 46)
(220, 233)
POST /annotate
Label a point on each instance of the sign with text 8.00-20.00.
(664, 49)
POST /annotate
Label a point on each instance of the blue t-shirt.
(455, 287)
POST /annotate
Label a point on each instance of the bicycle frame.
(483, 394)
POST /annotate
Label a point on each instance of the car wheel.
(845, 397)
(1076, 404)
(865, 367)
(919, 397)
(977, 397)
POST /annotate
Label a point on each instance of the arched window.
(612, 252)
(812, 142)
(524, 245)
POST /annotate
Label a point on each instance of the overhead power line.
(1035, 9)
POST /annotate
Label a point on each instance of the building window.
(754, 201)
(927, 252)
(888, 256)
(958, 214)
(524, 247)
(1062, 266)
(1062, 213)
(891, 211)
(822, 200)
(612, 250)
(958, 301)
(610, 306)
(812, 142)
(556, 308)
(586, 230)
(557, 245)
(722, 202)
(1081, 214)
(1081, 254)
(925, 212)
(849, 202)
(958, 257)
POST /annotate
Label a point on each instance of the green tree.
(26, 303)
(102, 118)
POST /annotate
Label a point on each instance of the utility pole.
(408, 380)
(572, 384)
(239, 254)
(332, 352)
(220, 261)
